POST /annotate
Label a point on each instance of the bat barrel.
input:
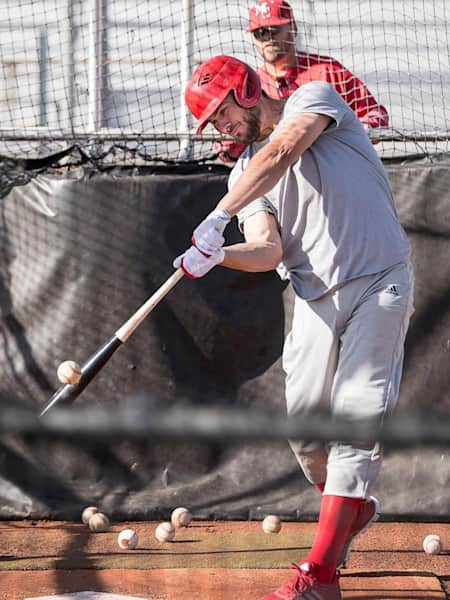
(66, 394)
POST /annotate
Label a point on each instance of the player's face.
(242, 124)
(275, 43)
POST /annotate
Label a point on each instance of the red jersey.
(313, 67)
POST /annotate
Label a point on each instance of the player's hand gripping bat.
(66, 394)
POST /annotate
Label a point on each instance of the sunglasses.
(266, 32)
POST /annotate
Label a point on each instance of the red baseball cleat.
(305, 586)
(369, 512)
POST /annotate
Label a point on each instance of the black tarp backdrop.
(80, 251)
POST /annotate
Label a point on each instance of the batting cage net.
(108, 76)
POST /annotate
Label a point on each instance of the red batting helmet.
(213, 80)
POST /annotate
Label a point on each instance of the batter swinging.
(314, 201)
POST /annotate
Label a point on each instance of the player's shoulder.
(317, 97)
(310, 89)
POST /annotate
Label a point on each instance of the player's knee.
(312, 459)
(363, 412)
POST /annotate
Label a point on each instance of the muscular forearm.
(263, 172)
(252, 257)
(269, 164)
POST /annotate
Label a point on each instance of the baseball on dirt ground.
(87, 513)
(432, 544)
(99, 523)
(128, 539)
(271, 524)
(165, 532)
(181, 517)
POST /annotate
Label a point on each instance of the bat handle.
(135, 320)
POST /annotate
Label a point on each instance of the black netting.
(109, 76)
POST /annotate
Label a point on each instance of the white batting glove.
(207, 237)
(195, 264)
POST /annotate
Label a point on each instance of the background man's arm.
(357, 95)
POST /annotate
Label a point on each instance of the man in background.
(285, 69)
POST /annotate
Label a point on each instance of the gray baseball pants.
(343, 358)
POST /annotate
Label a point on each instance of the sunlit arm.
(269, 164)
(262, 249)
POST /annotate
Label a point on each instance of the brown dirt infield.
(212, 561)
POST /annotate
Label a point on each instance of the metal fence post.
(187, 50)
(96, 65)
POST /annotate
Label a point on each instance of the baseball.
(432, 544)
(69, 372)
(181, 517)
(165, 532)
(99, 522)
(127, 539)
(271, 524)
(87, 513)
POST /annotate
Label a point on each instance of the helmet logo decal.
(206, 78)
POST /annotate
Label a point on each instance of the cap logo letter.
(263, 9)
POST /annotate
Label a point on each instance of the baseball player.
(285, 68)
(313, 200)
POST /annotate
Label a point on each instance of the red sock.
(335, 521)
(320, 486)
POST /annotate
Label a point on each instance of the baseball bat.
(67, 393)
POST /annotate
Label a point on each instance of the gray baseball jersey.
(334, 206)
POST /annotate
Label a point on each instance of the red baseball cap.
(267, 13)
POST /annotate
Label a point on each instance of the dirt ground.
(212, 561)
